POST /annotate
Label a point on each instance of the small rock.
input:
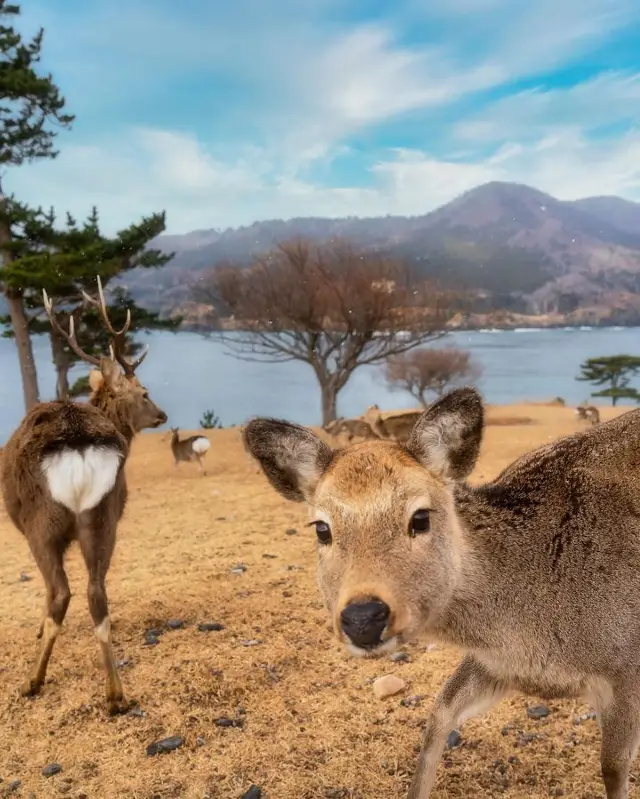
(251, 642)
(454, 739)
(175, 624)
(291, 531)
(24, 578)
(267, 556)
(239, 568)
(210, 627)
(200, 741)
(12, 787)
(253, 793)
(138, 712)
(584, 717)
(400, 657)
(226, 722)
(165, 745)
(514, 760)
(412, 701)
(150, 638)
(121, 664)
(389, 685)
(538, 712)
(287, 594)
(51, 770)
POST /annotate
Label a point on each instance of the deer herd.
(534, 575)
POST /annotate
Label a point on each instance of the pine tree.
(65, 262)
(614, 370)
(31, 107)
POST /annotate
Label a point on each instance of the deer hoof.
(119, 706)
(30, 688)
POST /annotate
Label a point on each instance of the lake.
(187, 373)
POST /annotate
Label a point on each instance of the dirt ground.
(308, 723)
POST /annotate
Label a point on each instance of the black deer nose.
(363, 622)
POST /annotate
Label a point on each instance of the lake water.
(187, 373)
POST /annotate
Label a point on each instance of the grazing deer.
(588, 413)
(535, 574)
(193, 448)
(63, 480)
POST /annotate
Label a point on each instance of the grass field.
(306, 723)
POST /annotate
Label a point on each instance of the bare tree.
(327, 305)
(430, 371)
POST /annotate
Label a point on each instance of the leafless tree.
(326, 305)
(431, 371)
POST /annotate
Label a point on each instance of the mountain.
(518, 249)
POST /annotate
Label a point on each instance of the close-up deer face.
(389, 541)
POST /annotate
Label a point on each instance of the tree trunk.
(62, 365)
(329, 393)
(20, 324)
(19, 320)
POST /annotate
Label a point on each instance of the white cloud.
(609, 97)
(166, 170)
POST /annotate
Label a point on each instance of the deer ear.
(96, 380)
(446, 438)
(110, 371)
(292, 457)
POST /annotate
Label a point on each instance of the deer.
(535, 575)
(588, 413)
(63, 480)
(193, 448)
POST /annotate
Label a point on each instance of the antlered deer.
(536, 574)
(193, 448)
(63, 480)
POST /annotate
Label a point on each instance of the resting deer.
(63, 480)
(193, 448)
(588, 413)
(536, 574)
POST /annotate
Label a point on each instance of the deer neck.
(116, 412)
(475, 613)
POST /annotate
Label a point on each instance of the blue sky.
(223, 113)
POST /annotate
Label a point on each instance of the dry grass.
(311, 726)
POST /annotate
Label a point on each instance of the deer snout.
(363, 622)
(162, 418)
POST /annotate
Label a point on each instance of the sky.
(226, 113)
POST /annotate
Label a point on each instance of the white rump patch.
(79, 480)
(201, 445)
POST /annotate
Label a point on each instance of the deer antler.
(118, 337)
(69, 337)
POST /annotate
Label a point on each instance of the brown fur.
(588, 413)
(536, 574)
(118, 408)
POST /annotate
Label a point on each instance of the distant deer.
(535, 574)
(63, 480)
(193, 448)
(588, 413)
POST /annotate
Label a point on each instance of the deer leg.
(470, 691)
(50, 562)
(97, 541)
(620, 725)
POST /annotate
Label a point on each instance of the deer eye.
(420, 523)
(323, 531)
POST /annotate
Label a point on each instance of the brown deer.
(535, 574)
(588, 413)
(193, 448)
(63, 480)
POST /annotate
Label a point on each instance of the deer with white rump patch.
(63, 480)
(193, 448)
(535, 574)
